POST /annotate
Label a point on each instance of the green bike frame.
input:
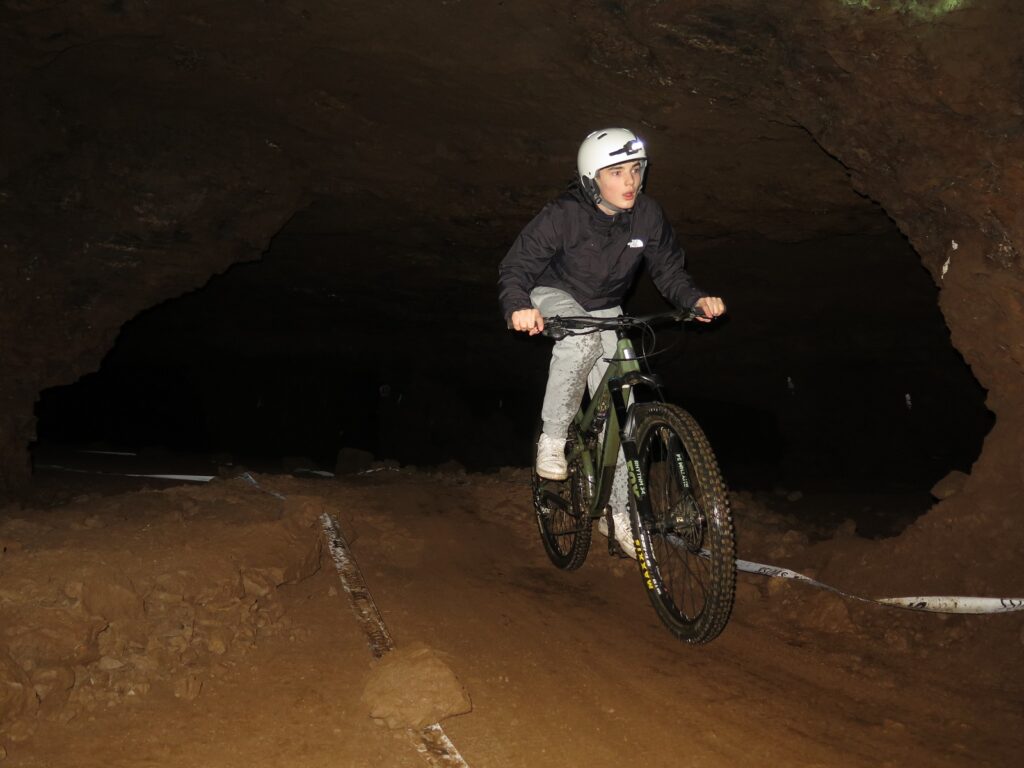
(608, 409)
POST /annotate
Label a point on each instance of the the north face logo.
(634, 243)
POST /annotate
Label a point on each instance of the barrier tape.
(190, 478)
(363, 606)
(930, 603)
(255, 484)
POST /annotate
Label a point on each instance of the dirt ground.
(144, 623)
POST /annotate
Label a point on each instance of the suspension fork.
(626, 418)
(637, 484)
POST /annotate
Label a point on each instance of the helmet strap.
(598, 200)
(590, 189)
(613, 208)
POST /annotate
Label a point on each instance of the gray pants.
(578, 362)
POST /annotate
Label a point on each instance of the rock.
(260, 582)
(53, 688)
(414, 687)
(73, 590)
(846, 529)
(950, 485)
(16, 693)
(352, 460)
(52, 637)
(188, 687)
(291, 463)
(218, 640)
(451, 467)
(107, 595)
(290, 551)
(120, 634)
(143, 664)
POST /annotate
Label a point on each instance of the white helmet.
(600, 149)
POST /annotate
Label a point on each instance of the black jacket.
(573, 246)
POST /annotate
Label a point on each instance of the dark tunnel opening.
(833, 373)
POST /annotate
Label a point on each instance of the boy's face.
(619, 184)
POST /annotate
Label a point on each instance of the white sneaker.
(551, 458)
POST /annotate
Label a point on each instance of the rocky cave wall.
(149, 145)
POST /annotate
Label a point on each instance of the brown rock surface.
(16, 696)
(799, 677)
(152, 598)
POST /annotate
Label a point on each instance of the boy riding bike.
(578, 256)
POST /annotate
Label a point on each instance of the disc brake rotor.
(688, 523)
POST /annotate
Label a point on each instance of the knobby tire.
(685, 545)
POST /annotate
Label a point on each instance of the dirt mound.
(105, 598)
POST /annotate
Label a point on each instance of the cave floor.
(562, 668)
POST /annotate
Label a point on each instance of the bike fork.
(637, 483)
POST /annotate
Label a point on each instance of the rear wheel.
(563, 517)
(686, 547)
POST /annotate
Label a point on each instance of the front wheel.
(682, 528)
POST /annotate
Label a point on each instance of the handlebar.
(558, 327)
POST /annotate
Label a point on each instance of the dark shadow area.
(833, 374)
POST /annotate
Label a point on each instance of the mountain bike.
(678, 506)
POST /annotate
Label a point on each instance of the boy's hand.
(711, 306)
(528, 320)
